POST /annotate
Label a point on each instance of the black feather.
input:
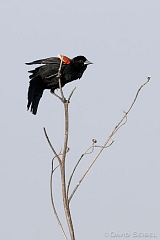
(51, 60)
(35, 93)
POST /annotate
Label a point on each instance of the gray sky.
(121, 194)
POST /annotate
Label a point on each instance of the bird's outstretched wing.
(51, 60)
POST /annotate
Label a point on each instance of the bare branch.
(62, 98)
(60, 87)
(148, 79)
(59, 79)
(65, 147)
(56, 168)
(65, 150)
(88, 151)
(51, 146)
(69, 98)
(99, 146)
(63, 177)
(52, 198)
(56, 95)
(62, 160)
(121, 123)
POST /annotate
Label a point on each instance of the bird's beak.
(87, 62)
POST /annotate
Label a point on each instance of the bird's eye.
(80, 61)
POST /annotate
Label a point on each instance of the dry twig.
(88, 151)
(52, 198)
(121, 123)
(51, 146)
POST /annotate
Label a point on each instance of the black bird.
(46, 76)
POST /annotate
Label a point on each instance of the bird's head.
(81, 61)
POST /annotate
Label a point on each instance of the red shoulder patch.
(65, 59)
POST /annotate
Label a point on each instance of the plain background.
(121, 194)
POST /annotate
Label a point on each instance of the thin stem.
(71, 94)
(51, 146)
(121, 123)
(63, 180)
(62, 166)
(59, 76)
(62, 161)
(77, 164)
(52, 199)
(57, 96)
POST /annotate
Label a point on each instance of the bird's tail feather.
(35, 93)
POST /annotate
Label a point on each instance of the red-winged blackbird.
(46, 76)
